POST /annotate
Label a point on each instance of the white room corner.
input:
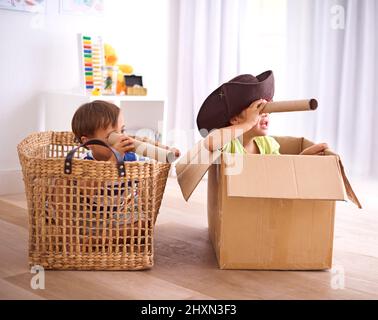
(41, 59)
(41, 55)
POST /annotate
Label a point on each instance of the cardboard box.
(136, 91)
(271, 212)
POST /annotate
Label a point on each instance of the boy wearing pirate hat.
(234, 108)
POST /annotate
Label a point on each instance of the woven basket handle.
(70, 155)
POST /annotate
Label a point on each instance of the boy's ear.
(83, 139)
(234, 120)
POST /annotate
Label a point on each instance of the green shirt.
(266, 145)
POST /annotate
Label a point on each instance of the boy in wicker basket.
(113, 201)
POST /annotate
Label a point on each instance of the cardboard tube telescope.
(147, 149)
(288, 106)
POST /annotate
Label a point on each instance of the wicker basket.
(88, 215)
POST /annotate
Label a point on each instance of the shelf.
(57, 109)
(125, 98)
(110, 97)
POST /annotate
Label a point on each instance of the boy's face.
(262, 126)
(99, 152)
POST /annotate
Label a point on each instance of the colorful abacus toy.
(92, 59)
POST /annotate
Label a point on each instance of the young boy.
(97, 120)
(229, 111)
(110, 201)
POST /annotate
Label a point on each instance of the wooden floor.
(185, 265)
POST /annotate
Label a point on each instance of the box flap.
(286, 176)
(289, 174)
(351, 195)
(193, 166)
(349, 190)
(289, 145)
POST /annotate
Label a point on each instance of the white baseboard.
(11, 182)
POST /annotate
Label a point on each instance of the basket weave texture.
(90, 219)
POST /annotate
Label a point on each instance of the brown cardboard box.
(270, 211)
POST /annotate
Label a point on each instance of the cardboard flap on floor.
(349, 190)
(191, 167)
(284, 176)
(351, 195)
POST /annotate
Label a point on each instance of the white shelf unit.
(140, 112)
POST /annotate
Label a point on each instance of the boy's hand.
(316, 149)
(252, 113)
(124, 144)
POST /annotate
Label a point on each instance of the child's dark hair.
(93, 115)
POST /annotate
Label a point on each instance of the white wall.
(39, 53)
(137, 29)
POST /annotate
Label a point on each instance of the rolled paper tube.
(288, 106)
(154, 152)
(148, 150)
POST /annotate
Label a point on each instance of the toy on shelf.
(91, 52)
(96, 92)
(109, 76)
(124, 75)
(100, 71)
(111, 59)
(124, 69)
(134, 85)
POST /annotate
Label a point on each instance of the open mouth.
(264, 124)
